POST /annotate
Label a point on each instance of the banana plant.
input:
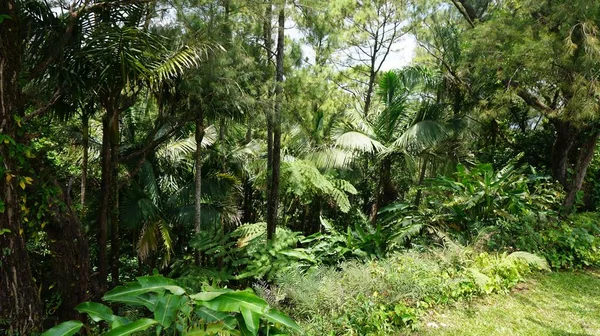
(171, 311)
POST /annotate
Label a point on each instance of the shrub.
(162, 305)
(381, 297)
(573, 243)
(481, 198)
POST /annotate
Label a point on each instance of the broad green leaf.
(64, 329)
(167, 307)
(360, 142)
(209, 315)
(196, 332)
(278, 317)
(128, 329)
(298, 254)
(119, 321)
(207, 296)
(157, 284)
(234, 301)
(96, 311)
(251, 319)
(147, 300)
(242, 327)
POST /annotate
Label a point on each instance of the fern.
(304, 180)
(248, 232)
(531, 259)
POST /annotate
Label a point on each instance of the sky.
(402, 53)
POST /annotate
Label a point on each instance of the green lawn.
(550, 304)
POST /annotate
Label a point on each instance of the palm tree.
(406, 126)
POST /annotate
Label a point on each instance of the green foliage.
(361, 240)
(482, 198)
(304, 181)
(382, 297)
(267, 259)
(171, 310)
(64, 329)
(573, 243)
(245, 254)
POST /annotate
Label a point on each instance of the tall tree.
(545, 54)
(18, 303)
(274, 172)
(372, 30)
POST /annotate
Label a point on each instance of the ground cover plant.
(386, 296)
(561, 303)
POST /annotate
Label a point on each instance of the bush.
(573, 243)
(381, 297)
(482, 198)
(157, 303)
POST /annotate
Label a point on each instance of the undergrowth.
(385, 296)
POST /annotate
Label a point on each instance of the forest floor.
(555, 304)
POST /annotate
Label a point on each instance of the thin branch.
(534, 101)
(42, 110)
(152, 144)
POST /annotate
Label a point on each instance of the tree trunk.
(115, 139)
(372, 74)
(20, 305)
(198, 175)
(104, 207)
(70, 259)
(420, 183)
(566, 134)
(248, 209)
(369, 93)
(386, 190)
(114, 220)
(585, 156)
(274, 193)
(85, 124)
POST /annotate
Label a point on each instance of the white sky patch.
(401, 54)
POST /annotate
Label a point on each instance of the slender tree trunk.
(114, 220)
(274, 194)
(269, 111)
(248, 216)
(20, 306)
(585, 156)
(372, 75)
(269, 115)
(104, 208)
(566, 134)
(113, 210)
(386, 191)
(248, 210)
(84, 163)
(370, 87)
(315, 215)
(420, 183)
(198, 175)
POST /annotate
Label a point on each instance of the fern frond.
(248, 232)
(531, 259)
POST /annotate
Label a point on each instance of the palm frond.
(174, 64)
(360, 142)
(332, 158)
(422, 135)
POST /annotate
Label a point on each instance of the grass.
(556, 304)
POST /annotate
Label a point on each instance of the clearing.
(559, 303)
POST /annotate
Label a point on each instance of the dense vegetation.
(264, 167)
